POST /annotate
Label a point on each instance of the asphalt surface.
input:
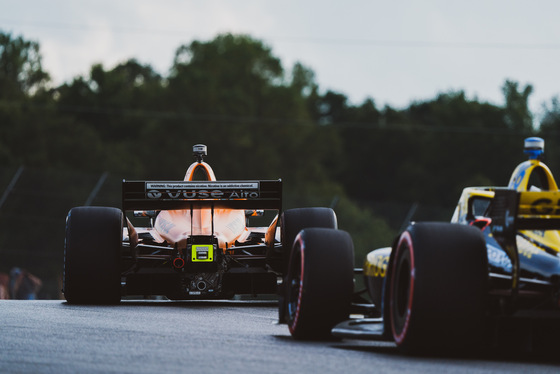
(202, 337)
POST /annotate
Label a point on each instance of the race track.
(201, 337)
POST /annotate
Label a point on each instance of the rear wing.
(171, 195)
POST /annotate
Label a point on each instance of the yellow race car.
(489, 277)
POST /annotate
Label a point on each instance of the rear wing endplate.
(171, 195)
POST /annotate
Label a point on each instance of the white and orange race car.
(188, 239)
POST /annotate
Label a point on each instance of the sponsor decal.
(498, 258)
(526, 249)
(154, 194)
(521, 172)
(236, 225)
(376, 264)
(165, 225)
(545, 206)
(200, 185)
(202, 190)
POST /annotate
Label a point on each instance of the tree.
(551, 118)
(303, 80)
(109, 99)
(231, 93)
(229, 74)
(117, 106)
(21, 73)
(549, 130)
(22, 96)
(517, 113)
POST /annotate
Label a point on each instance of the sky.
(395, 52)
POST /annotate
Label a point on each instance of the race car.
(488, 277)
(188, 239)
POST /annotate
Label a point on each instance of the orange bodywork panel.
(132, 233)
(175, 226)
(270, 235)
(202, 165)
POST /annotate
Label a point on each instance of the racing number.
(378, 267)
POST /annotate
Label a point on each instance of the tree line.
(261, 120)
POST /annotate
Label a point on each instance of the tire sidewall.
(319, 284)
(404, 253)
(297, 266)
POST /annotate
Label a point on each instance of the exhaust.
(201, 285)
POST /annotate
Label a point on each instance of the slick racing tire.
(295, 220)
(320, 282)
(436, 288)
(92, 255)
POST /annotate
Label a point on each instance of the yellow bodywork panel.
(521, 177)
(543, 204)
(548, 238)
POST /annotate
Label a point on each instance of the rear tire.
(320, 281)
(295, 220)
(92, 255)
(436, 288)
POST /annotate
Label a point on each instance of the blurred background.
(381, 154)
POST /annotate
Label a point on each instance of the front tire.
(92, 255)
(436, 288)
(319, 284)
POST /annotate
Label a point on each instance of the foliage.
(21, 73)
(260, 120)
